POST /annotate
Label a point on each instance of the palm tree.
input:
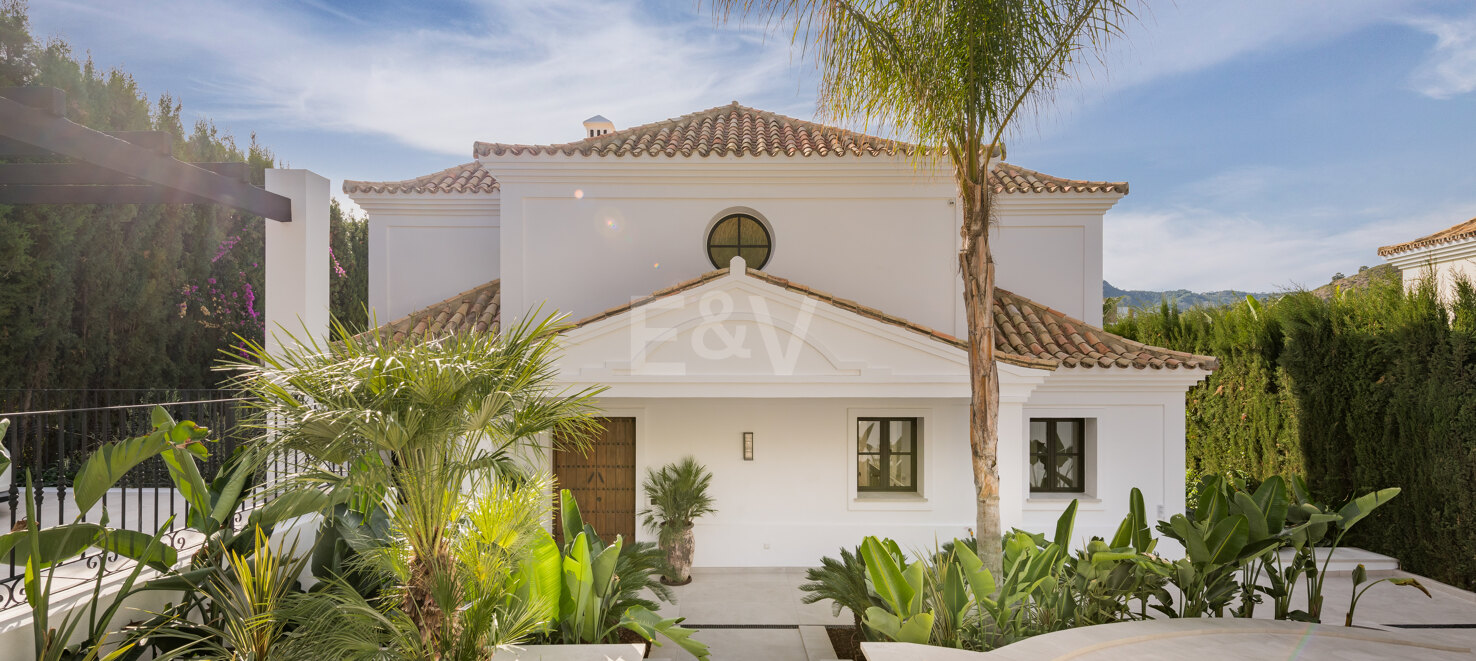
(953, 75)
(425, 432)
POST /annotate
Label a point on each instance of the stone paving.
(735, 602)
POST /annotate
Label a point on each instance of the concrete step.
(1348, 558)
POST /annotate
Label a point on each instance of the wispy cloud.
(510, 71)
(1206, 249)
(1450, 70)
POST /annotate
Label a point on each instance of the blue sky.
(1269, 143)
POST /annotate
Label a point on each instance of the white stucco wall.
(424, 248)
(584, 235)
(1049, 248)
(798, 495)
(1135, 438)
(796, 500)
(1445, 263)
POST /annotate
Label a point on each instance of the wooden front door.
(602, 480)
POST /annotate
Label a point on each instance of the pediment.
(741, 329)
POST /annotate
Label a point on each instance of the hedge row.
(1365, 389)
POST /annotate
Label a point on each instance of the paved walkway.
(746, 613)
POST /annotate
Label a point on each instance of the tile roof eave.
(1455, 234)
(1027, 334)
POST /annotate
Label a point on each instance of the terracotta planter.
(679, 555)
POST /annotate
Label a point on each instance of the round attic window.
(739, 235)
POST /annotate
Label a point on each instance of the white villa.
(1444, 256)
(781, 300)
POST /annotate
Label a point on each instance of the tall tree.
(951, 75)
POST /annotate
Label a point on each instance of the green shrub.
(1365, 390)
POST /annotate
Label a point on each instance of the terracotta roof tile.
(473, 178)
(476, 310)
(1027, 333)
(465, 178)
(1023, 326)
(1007, 178)
(1459, 232)
(730, 130)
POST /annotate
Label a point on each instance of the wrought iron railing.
(53, 431)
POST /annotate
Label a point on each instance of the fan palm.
(413, 428)
(953, 75)
(678, 496)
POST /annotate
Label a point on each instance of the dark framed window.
(739, 235)
(1057, 455)
(886, 454)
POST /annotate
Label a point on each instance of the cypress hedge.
(133, 296)
(1361, 390)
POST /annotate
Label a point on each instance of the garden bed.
(846, 641)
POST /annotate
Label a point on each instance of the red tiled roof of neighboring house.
(1461, 232)
(465, 178)
(1027, 333)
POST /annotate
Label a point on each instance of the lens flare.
(578, 193)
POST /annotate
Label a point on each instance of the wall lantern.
(748, 446)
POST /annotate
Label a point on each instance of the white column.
(297, 260)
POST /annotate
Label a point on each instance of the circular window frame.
(759, 219)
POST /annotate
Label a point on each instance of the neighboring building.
(1446, 256)
(782, 300)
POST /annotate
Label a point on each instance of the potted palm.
(676, 496)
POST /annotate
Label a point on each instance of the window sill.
(889, 501)
(1059, 501)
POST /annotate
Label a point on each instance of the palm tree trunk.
(977, 265)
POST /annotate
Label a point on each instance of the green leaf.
(290, 505)
(161, 419)
(1271, 498)
(569, 517)
(980, 580)
(880, 621)
(646, 623)
(1258, 547)
(186, 476)
(229, 497)
(104, 467)
(602, 568)
(917, 629)
(538, 580)
(1193, 539)
(1243, 505)
(886, 576)
(1364, 505)
(55, 545)
(142, 547)
(1065, 524)
(1227, 539)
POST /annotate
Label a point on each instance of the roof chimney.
(597, 126)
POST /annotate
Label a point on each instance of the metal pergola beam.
(172, 179)
(96, 194)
